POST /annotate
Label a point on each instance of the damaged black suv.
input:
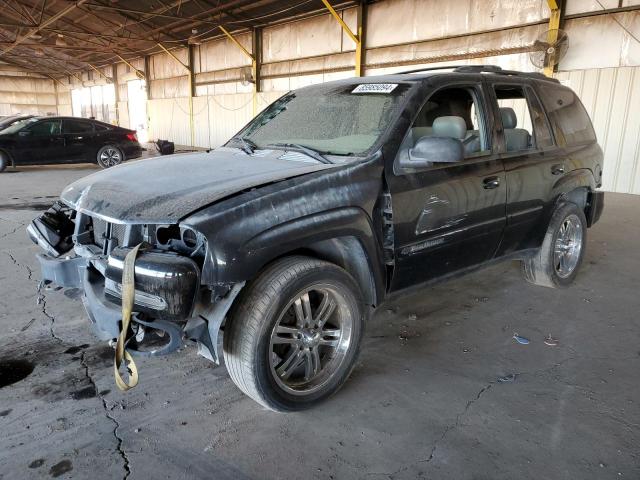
(333, 197)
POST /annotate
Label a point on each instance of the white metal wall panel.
(222, 54)
(201, 122)
(403, 21)
(162, 65)
(169, 87)
(611, 96)
(29, 95)
(581, 6)
(320, 35)
(227, 115)
(615, 46)
(123, 114)
(169, 120)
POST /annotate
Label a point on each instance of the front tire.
(4, 161)
(109, 156)
(557, 262)
(294, 334)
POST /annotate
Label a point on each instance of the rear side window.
(569, 119)
(76, 126)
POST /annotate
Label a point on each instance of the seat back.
(516, 139)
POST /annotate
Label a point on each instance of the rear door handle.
(491, 182)
(557, 169)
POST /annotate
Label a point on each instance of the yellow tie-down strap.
(128, 295)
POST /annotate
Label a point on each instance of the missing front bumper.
(180, 320)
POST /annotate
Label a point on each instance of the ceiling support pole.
(552, 34)
(356, 38)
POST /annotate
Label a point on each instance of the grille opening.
(165, 234)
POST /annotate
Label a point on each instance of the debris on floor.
(521, 340)
(510, 378)
(549, 340)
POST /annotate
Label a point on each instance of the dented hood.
(166, 189)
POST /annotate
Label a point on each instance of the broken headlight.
(180, 239)
(53, 230)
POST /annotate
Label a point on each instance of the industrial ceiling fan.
(548, 52)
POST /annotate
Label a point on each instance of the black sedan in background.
(44, 140)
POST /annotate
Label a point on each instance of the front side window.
(76, 126)
(343, 120)
(569, 119)
(455, 113)
(46, 127)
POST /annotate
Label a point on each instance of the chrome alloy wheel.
(310, 340)
(110, 157)
(566, 253)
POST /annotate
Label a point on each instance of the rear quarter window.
(569, 119)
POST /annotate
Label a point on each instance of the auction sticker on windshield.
(375, 88)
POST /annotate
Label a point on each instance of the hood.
(166, 189)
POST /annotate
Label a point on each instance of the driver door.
(449, 216)
(41, 142)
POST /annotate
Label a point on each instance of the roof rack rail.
(484, 69)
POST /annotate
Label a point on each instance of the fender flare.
(327, 234)
(581, 178)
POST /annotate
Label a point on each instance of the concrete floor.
(423, 402)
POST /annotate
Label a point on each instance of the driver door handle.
(557, 169)
(491, 183)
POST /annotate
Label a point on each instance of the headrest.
(454, 127)
(508, 116)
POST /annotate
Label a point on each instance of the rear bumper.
(132, 151)
(595, 207)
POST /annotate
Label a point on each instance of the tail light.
(132, 137)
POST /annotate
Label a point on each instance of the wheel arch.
(343, 236)
(8, 154)
(576, 187)
(348, 253)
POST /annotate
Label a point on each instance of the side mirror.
(430, 150)
(24, 133)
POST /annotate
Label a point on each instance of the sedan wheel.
(109, 156)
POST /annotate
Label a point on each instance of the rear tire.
(294, 334)
(109, 156)
(4, 161)
(557, 262)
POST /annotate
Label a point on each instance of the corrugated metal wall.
(26, 94)
(612, 96)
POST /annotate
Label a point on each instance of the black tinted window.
(46, 127)
(76, 126)
(569, 119)
(541, 129)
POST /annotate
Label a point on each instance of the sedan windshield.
(19, 125)
(344, 120)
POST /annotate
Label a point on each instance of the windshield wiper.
(247, 146)
(315, 154)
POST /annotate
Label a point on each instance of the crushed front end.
(87, 252)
